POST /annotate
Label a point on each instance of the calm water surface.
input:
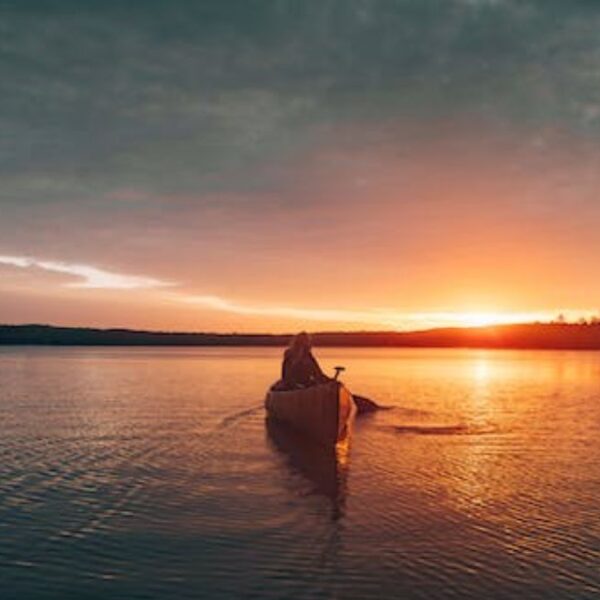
(150, 473)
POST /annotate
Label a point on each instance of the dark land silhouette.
(529, 336)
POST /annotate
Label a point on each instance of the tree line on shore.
(555, 335)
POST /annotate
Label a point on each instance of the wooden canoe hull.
(323, 412)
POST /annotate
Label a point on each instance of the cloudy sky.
(269, 165)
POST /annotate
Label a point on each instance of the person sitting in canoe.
(300, 368)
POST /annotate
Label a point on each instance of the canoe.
(322, 412)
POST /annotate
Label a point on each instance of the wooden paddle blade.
(365, 405)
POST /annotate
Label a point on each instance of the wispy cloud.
(382, 317)
(309, 314)
(88, 276)
(91, 277)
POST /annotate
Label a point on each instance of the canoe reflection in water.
(324, 468)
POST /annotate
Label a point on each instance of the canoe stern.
(323, 412)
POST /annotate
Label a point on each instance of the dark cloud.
(184, 95)
(114, 111)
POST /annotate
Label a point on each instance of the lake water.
(149, 473)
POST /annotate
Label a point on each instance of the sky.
(276, 165)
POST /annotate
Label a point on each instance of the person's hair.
(300, 342)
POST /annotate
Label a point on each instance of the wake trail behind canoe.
(232, 419)
(417, 422)
(459, 429)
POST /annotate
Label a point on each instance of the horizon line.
(474, 327)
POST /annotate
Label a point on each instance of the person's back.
(300, 368)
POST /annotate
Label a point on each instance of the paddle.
(338, 370)
(364, 405)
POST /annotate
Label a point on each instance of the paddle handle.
(338, 370)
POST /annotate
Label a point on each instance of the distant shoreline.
(535, 336)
